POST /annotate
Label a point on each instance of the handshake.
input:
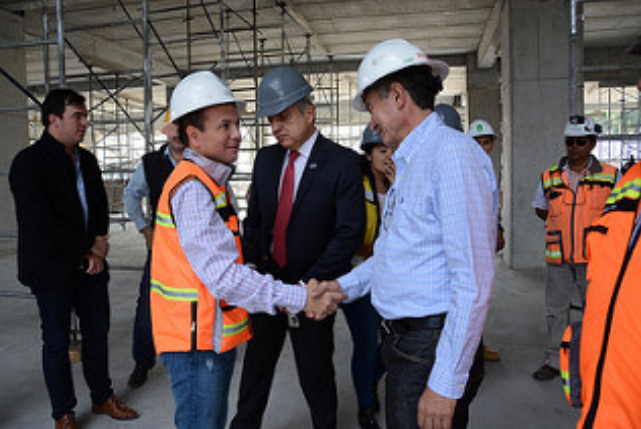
(323, 298)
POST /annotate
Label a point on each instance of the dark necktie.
(284, 211)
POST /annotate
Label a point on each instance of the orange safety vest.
(571, 213)
(611, 339)
(185, 316)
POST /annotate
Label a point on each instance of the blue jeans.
(89, 298)
(200, 385)
(409, 357)
(367, 365)
(143, 350)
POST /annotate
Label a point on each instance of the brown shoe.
(68, 421)
(491, 355)
(115, 409)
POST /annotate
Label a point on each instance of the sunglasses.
(579, 142)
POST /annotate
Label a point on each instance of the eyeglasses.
(573, 141)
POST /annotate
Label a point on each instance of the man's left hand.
(435, 411)
(95, 264)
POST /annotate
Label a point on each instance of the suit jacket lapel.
(272, 182)
(314, 165)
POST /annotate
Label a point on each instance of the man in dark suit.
(305, 220)
(63, 221)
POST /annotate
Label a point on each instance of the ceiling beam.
(110, 56)
(490, 41)
(298, 17)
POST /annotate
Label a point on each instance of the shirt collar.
(306, 149)
(167, 153)
(219, 172)
(594, 166)
(413, 140)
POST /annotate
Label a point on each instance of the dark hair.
(195, 119)
(418, 81)
(57, 101)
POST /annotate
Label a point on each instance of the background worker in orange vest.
(145, 187)
(610, 340)
(197, 271)
(569, 198)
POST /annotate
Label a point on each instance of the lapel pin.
(313, 166)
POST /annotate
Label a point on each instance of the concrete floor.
(508, 398)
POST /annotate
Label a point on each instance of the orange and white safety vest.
(571, 213)
(185, 316)
(611, 335)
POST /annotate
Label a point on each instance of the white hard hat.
(581, 126)
(388, 57)
(199, 90)
(480, 128)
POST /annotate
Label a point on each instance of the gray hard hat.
(370, 138)
(280, 88)
(449, 115)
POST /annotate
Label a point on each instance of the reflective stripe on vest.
(630, 190)
(174, 294)
(185, 316)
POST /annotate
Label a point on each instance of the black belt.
(414, 323)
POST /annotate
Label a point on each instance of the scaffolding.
(127, 104)
(614, 103)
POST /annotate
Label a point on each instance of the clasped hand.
(322, 298)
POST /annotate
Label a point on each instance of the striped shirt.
(211, 249)
(435, 252)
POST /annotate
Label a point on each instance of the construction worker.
(146, 184)
(610, 340)
(431, 273)
(484, 134)
(198, 280)
(570, 196)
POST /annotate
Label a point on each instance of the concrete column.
(535, 93)
(484, 102)
(13, 125)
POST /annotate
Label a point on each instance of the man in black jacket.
(63, 221)
(305, 220)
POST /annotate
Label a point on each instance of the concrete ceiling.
(340, 30)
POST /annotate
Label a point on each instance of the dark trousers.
(143, 349)
(313, 344)
(367, 364)
(409, 357)
(90, 300)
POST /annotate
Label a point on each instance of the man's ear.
(398, 94)
(193, 135)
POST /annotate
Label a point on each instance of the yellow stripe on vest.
(229, 330)
(174, 294)
(631, 190)
(165, 220)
